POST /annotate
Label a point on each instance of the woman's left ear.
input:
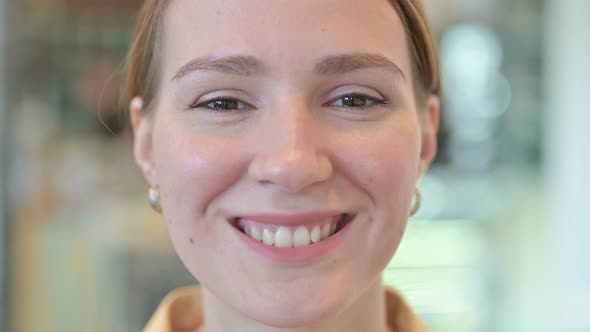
(429, 122)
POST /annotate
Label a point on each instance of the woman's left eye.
(357, 101)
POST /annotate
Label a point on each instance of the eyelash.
(372, 100)
(368, 99)
(205, 104)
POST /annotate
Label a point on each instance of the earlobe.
(429, 123)
(142, 138)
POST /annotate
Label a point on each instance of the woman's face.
(282, 115)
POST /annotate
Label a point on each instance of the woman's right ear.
(142, 139)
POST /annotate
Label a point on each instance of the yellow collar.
(181, 311)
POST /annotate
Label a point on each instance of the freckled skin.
(289, 152)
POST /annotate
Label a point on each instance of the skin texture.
(292, 147)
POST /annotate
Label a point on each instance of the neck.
(367, 313)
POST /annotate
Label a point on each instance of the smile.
(292, 235)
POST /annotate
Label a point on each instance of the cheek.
(384, 164)
(395, 170)
(192, 169)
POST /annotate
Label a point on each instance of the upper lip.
(288, 219)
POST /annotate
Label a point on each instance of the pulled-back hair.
(142, 68)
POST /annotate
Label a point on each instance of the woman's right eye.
(223, 104)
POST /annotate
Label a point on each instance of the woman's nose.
(291, 151)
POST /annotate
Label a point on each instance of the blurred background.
(502, 242)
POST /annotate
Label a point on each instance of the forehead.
(283, 33)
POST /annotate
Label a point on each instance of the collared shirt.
(181, 311)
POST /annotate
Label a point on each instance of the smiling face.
(279, 115)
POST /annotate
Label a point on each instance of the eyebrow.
(345, 63)
(244, 65)
(241, 65)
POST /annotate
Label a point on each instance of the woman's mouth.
(293, 235)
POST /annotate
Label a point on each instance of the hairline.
(420, 90)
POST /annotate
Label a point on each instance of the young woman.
(283, 142)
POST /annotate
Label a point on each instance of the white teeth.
(255, 233)
(316, 234)
(301, 237)
(268, 237)
(325, 231)
(283, 238)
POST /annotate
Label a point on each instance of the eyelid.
(358, 89)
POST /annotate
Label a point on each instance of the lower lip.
(299, 255)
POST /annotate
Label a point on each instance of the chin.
(286, 311)
(289, 315)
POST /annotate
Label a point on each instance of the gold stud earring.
(154, 199)
(417, 202)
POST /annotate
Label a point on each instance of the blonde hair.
(142, 69)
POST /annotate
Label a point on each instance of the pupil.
(226, 104)
(354, 101)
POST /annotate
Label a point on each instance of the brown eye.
(357, 101)
(221, 105)
(224, 104)
(354, 101)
